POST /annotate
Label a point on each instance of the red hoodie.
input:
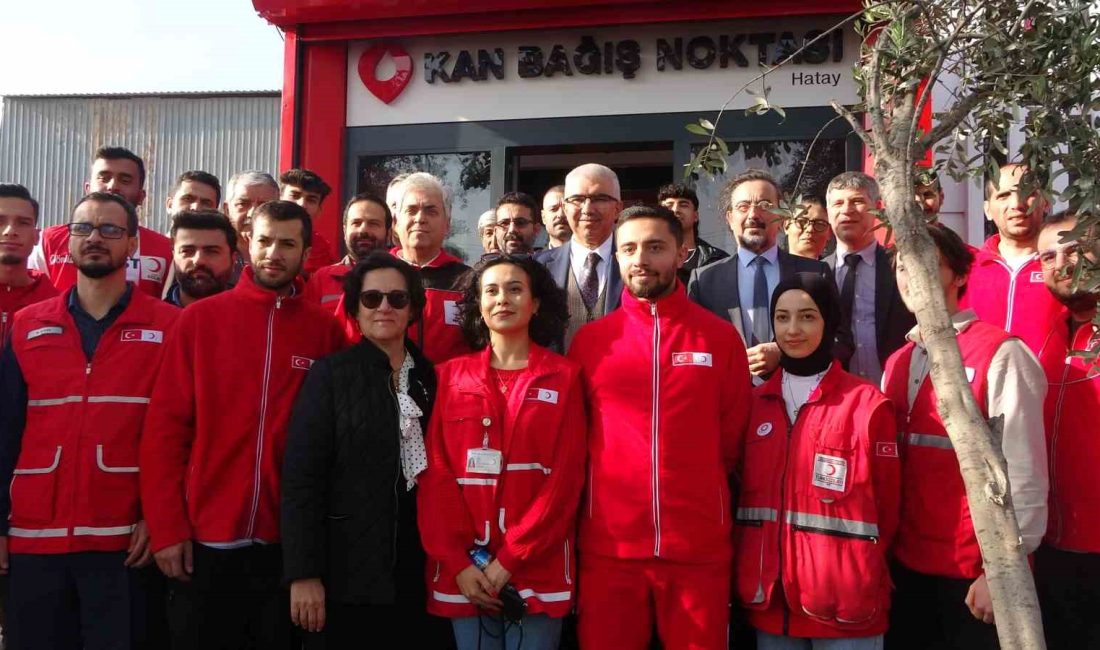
(1016, 301)
(12, 299)
(147, 269)
(212, 449)
(669, 400)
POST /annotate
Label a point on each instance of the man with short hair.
(487, 231)
(516, 225)
(204, 245)
(586, 269)
(668, 395)
(684, 202)
(942, 598)
(245, 192)
(19, 286)
(421, 223)
(739, 288)
(308, 190)
(874, 320)
(194, 190)
(211, 454)
(1007, 280)
(929, 194)
(808, 232)
(74, 385)
(367, 226)
(1067, 565)
(553, 217)
(118, 171)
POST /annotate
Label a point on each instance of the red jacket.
(936, 535)
(668, 398)
(212, 453)
(320, 254)
(1073, 448)
(1016, 301)
(148, 269)
(326, 285)
(818, 509)
(525, 513)
(75, 485)
(12, 299)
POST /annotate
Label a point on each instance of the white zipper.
(263, 415)
(1054, 449)
(655, 417)
(1012, 274)
(568, 580)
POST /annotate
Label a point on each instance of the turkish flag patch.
(301, 363)
(692, 359)
(542, 395)
(887, 449)
(145, 336)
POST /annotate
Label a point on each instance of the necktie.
(761, 327)
(848, 294)
(590, 283)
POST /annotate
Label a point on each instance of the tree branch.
(857, 128)
(951, 119)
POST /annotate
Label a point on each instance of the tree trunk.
(1015, 604)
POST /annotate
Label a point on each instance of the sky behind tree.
(124, 46)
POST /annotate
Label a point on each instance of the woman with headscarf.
(820, 488)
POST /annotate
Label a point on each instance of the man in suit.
(739, 288)
(585, 266)
(874, 320)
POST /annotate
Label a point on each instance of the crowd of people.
(228, 438)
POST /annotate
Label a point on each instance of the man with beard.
(74, 385)
(1067, 565)
(308, 190)
(203, 246)
(553, 217)
(19, 286)
(586, 269)
(118, 171)
(739, 288)
(367, 225)
(211, 455)
(516, 226)
(1007, 280)
(684, 202)
(244, 193)
(668, 394)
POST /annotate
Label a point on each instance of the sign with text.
(598, 71)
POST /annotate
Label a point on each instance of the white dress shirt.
(578, 253)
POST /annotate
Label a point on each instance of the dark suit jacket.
(715, 286)
(892, 320)
(556, 260)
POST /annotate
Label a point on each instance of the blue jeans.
(765, 641)
(537, 632)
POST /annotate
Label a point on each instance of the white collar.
(579, 251)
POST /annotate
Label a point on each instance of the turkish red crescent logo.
(830, 470)
(385, 89)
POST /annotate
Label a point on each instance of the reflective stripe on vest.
(756, 515)
(56, 401)
(116, 399)
(929, 440)
(832, 524)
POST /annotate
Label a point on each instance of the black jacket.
(705, 253)
(892, 319)
(347, 516)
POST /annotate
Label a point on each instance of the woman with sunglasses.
(506, 458)
(354, 458)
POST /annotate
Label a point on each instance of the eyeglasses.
(1048, 259)
(577, 200)
(744, 207)
(504, 224)
(818, 225)
(106, 230)
(372, 299)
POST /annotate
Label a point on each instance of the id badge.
(484, 461)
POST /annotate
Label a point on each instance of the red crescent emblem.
(385, 89)
(830, 470)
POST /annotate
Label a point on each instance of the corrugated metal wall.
(47, 143)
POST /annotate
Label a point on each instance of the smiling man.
(586, 267)
(367, 226)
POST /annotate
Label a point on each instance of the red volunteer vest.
(936, 535)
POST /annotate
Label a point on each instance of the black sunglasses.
(372, 299)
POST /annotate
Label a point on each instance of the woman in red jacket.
(820, 488)
(506, 458)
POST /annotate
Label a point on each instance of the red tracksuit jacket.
(326, 285)
(1017, 301)
(75, 486)
(212, 451)
(1073, 447)
(669, 399)
(818, 509)
(12, 299)
(525, 513)
(148, 269)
